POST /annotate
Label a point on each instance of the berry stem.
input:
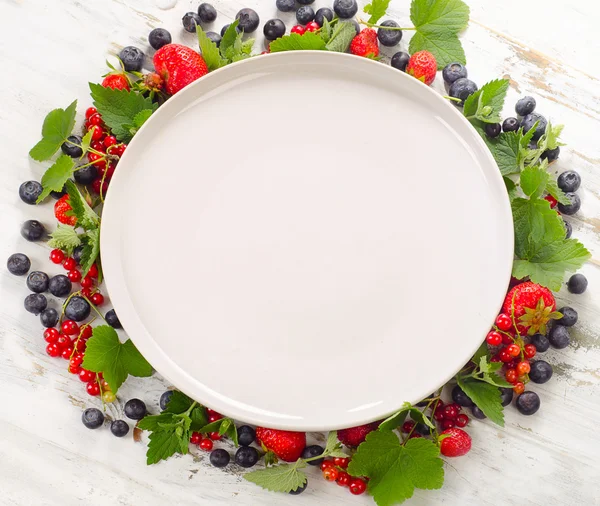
(453, 99)
(93, 306)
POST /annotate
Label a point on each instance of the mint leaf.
(210, 51)
(505, 150)
(326, 30)
(342, 35)
(283, 478)
(224, 426)
(56, 176)
(486, 103)
(199, 418)
(485, 396)
(119, 109)
(86, 217)
(228, 39)
(439, 15)
(141, 117)
(105, 353)
(443, 44)
(86, 140)
(333, 447)
(377, 9)
(57, 126)
(489, 367)
(163, 444)
(553, 189)
(178, 403)
(65, 238)
(154, 422)
(551, 262)
(295, 42)
(551, 136)
(395, 470)
(534, 181)
(91, 249)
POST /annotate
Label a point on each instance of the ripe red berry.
(80, 345)
(74, 276)
(514, 350)
(438, 414)
(511, 376)
(530, 350)
(67, 352)
(448, 424)
(63, 341)
(357, 486)
(56, 256)
(299, 29)
(86, 376)
(87, 282)
(523, 368)
(53, 350)
(503, 321)
(341, 462)
(206, 444)
(90, 112)
(507, 339)
(76, 359)
(462, 420)
(97, 299)
(504, 355)
(96, 133)
(51, 335)
(195, 438)
(456, 443)
(330, 474)
(494, 338)
(408, 426)
(70, 327)
(86, 331)
(74, 369)
(343, 479)
(93, 272)
(92, 388)
(96, 183)
(70, 264)
(110, 140)
(312, 26)
(215, 436)
(450, 412)
(86, 292)
(326, 463)
(552, 201)
(214, 416)
(519, 388)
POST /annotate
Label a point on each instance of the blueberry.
(135, 409)
(400, 60)
(531, 119)
(119, 428)
(286, 5)
(322, 13)
(132, 58)
(29, 191)
(224, 29)
(461, 398)
(71, 146)
(462, 88)
(573, 207)
(59, 285)
(219, 458)
(422, 429)
(577, 283)
(190, 20)
(528, 403)
(57, 195)
(559, 337)
(18, 264)
(246, 456)
(389, 38)
(77, 252)
(551, 154)
(165, 398)
(246, 435)
(92, 418)
(305, 14)
(33, 230)
(540, 342)
(510, 125)
(477, 413)
(77, 309)
(453, 72)
(86, 175)
(493, 129)
(541, 371)
(569, 316)
(345, 8)
(305, 2)
(214, 37)
(159, 37)
(38, 281)
(248, 20)
(49, 317)
(568, 229)
(112, 319)
(569, 181)
(273, 29)
(312, 451)
(207, 13)
(525, 106)
(506, 395)
(35, 303)
(299, 490)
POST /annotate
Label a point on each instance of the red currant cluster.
(447, 415)
(335, 470)
(87, 282)
(206, 443)
(311, 26)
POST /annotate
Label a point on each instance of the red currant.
(67, 352)
(462, 420)
(519, 388)
(214, 416)
(331, 474)
(110, 140)
(530, 350)
(93, 272)
(86, 292)
(76, 359)
(523, 368)
(90, 112)
(97, 299)
(92, 387)
(74, 276)
(415, 435)
(96, 134)
(552, 201)
(62, 341)
(312, 26)
(438, 414)
(299, 29)
(343, 479)
(507, 339)
(51, 335)
(494, 338)
(70, 327)
(504, 355)
(70, 264)
(86, 376)
(341, 462)
(206, 444)
(53, 350)
(196, 438)
(80, 345)
(503, 321)
(408, 426)
(511, 376)
(326, 463)
(512, 364)
(96, 186)
(95, 119)
(86, 331)
(56, 256)
(98, 146)
(514, 350)
(357, 486)
(450, 412)
(74, 369)
(87, 282)
(215, 436)
(448, 424)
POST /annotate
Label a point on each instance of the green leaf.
(56, 176)
(553, 189)
(178, 403)
(551, 136)
(65, 238)
(199, 418)
(57, 126)
(443, 44)
(486, 103)
(395, 470)
(534, 181)
(326, 30)
(377, 9)
(511, 187)
(105, 353)
(486, 397)
(86, 217)
(496, 380)
(224, 426)
(141, 117)
(439, 15)
(86, 140)
(295, 42)
(525, 137)
(154, 422)
(210, 51)
(333, 447)
(489, 367)
(283, 478)
(342, 35)
(228, 39)
(91, 249)
(163, 444)
(119, 108)
(481, 352)
(505, 150)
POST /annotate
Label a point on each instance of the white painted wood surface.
(49, 50)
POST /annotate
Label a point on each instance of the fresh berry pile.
(388, 458)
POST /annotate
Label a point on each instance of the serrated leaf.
(199, 418)
(489, 367)
(377, 9)
(486, 397)
(443, 44)
(228, 39)
(65, 238)
(86, 140)
(496, 380)
(91, 249)
(163, 444)
(283, 478)
(553, 189)
(511, 187)
(57, 126)
(486, 103)
(178, 403)
(295, 42)
(56, 176)
(342, 36)
(439, 15)
(505, 150)
(141, 117)
(552, 134)
(153, 422)
(534, 181)
(210, 51)
(482, 351)
(326, 30)
(86, 217)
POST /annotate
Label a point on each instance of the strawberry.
(532, 307)
(365, 44)
(287, 445)
(116, 82)
(456, 443)
(61, 208)
(179, 66)
(423, 66)
(354, 436)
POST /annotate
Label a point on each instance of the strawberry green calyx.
(535, 320)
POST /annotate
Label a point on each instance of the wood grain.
(50, 49)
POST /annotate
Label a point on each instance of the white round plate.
(307, 240)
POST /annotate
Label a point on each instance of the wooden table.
(49, 50)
